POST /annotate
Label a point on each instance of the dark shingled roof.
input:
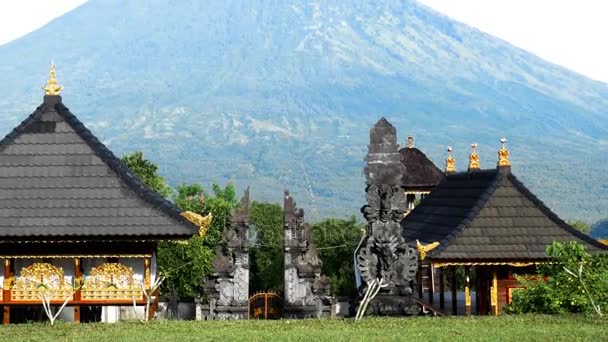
(489, 215)
(58, 180)
(421, 172)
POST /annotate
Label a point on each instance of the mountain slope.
(282, 93)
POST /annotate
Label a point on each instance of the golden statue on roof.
(450, 162)
(51, 87)
(503, 154)
(474, 158)
(409, 142)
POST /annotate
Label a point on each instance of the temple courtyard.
(506, 328)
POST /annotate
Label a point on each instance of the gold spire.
(450, 162)
(474, 158)
(410, 142)
(503, 154)
(51, 87)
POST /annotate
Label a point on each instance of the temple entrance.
(265, 305)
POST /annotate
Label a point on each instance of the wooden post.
(431, 284)
(441, 288)
(494, 293)
(467, 291)
(77, 283)
(419, 277)
(454, 293)
(6, 291)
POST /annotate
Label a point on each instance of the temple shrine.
(76, 225)
(488, 223)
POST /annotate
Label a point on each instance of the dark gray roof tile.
(488, 214)
(57, 179)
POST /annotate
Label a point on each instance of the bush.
(576, 281)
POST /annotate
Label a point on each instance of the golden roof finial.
(51, 87)
(410, 142)
(503, 154)
(474, 158)
(450, 162)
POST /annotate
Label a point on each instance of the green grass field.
(507, 328)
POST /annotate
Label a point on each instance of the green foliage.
(580, 225)
(562, 290)
(147, 172)
(266, 255)
(336, 240)
(186, 264)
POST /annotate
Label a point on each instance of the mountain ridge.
(282, 93)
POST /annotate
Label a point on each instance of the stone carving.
(304, 285)
(229, 284)
(384, 254)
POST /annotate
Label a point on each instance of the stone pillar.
(229, 283)
(384, 254)
(304, 287)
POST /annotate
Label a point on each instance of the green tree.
(186, 263)
(266, 257)
(574, 281)
(336, 240)
(147, 172)
(580, 225)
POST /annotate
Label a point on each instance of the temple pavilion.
(422, 175)
(487, 222)
(76, 224)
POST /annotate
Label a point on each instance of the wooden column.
(441, 288)
(77, 283)
(6, 291)
(454, 292)
(147, 272)
(467, 291)
(494, 293)
(431, 284)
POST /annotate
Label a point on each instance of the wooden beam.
(454, 292)
(467, 290)
(441, 288)
(431, 284)
(78, 282)
(6, 291)
(494, 293)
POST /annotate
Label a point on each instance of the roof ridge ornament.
(409, 142)
(474, 158)
(52, 88)
(503, 154)
(450, 162)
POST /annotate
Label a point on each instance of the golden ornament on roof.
(450, 162)
(474, 158)
(423, 249)
(51, 87)
(503, 154)
(202, 222)
(409, 142)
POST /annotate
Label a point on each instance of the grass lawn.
(507, 328)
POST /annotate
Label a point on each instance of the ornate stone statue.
(305, 287)
(384, 257)
(229, 283)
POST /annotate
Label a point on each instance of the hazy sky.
(572, 33)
